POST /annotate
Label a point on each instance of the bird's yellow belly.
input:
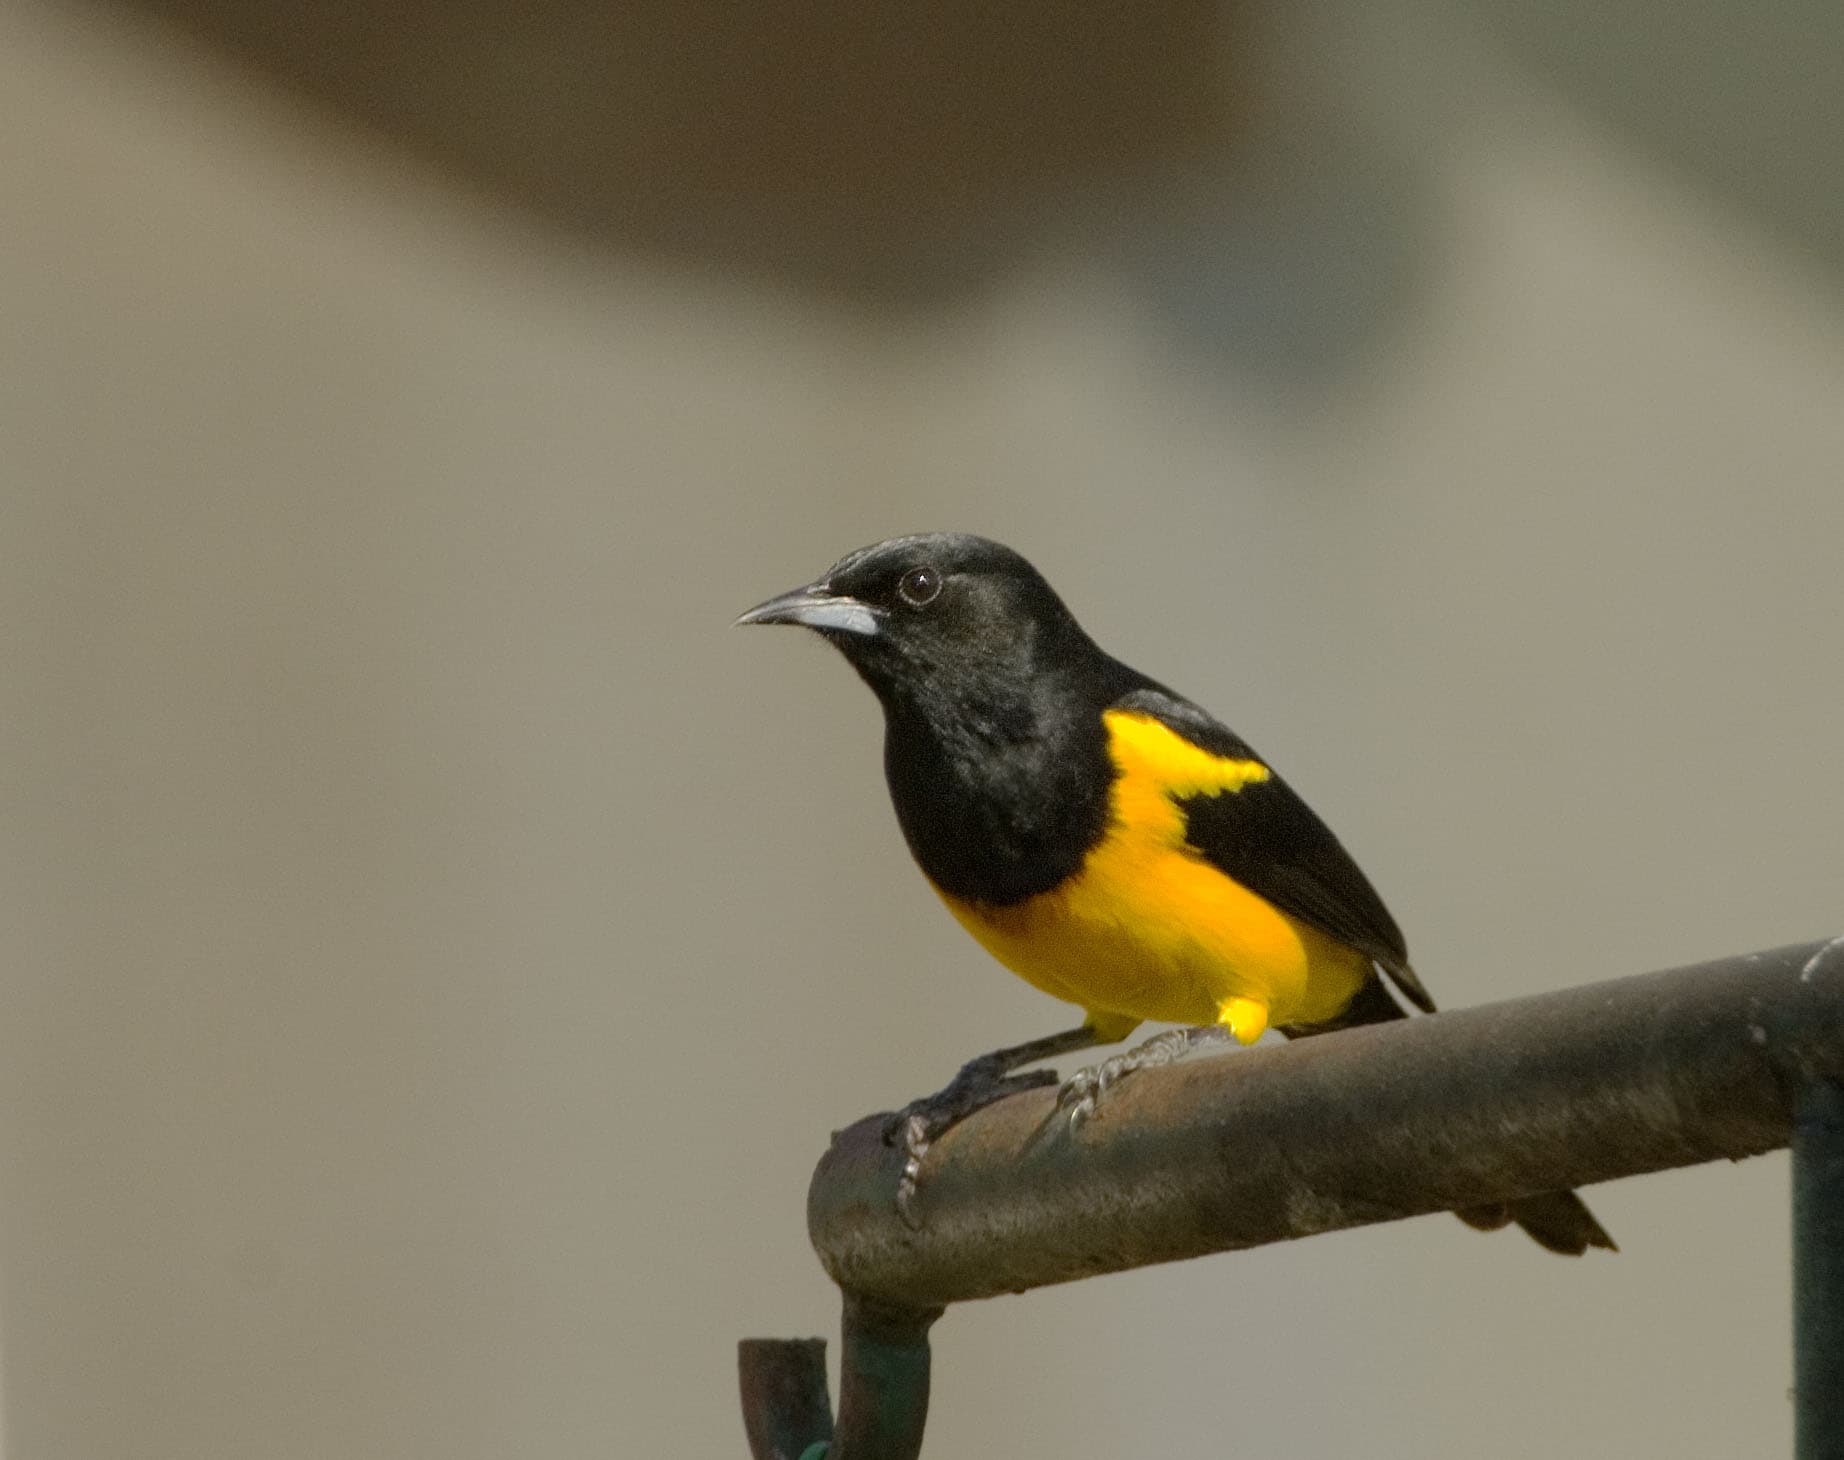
(1150, 931)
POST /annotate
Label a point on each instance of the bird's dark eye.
(919, 586)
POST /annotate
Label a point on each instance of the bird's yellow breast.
(1147, 929)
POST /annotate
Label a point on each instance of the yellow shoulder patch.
(1143, 748)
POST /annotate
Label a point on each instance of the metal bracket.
(1724, 1060)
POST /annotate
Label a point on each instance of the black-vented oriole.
(1106, 839)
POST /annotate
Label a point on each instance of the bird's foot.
(1081, 1093)
(917, 1125)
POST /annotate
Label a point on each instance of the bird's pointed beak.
(816, 607)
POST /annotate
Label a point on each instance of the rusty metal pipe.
(786, 1411)
(883, 1388)
(1461, 1110)
(1818, 1274)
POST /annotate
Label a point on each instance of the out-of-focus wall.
(436, 947)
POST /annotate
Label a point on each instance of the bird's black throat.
(1000, 794)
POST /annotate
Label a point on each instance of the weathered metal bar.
(786, 1411)
(883, 1380)
(1468, 1108)
(883, 1388)
(1818, 1273)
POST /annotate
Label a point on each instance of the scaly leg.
(1241, 1020)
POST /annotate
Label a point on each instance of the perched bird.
(1104, 838)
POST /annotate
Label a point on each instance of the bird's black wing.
(1270, 841)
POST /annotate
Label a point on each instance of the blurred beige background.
(436, 947)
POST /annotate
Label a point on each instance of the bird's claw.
(1082, 1091)
(917, 1125)
(916, 1141)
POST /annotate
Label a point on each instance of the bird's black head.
(939, 623)
(994, 745)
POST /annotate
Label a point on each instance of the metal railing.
(1719, 1061)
